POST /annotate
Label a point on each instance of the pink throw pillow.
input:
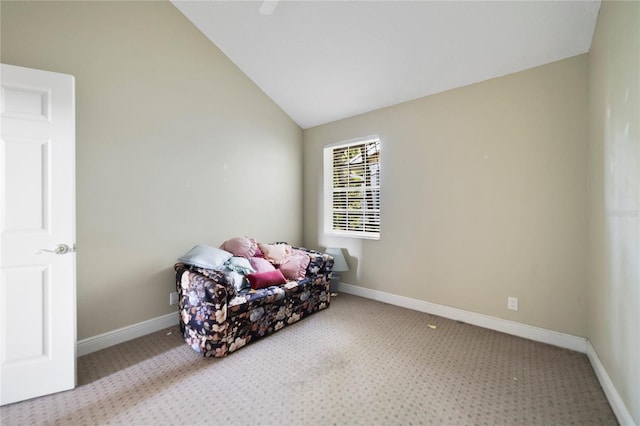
(296, 268)
(266, 279)
(261, 265)
(241, 246)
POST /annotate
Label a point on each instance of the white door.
(37, 226)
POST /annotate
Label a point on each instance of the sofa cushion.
(276, 253)
(296, 268)
(266, 279)
(293, 293)
(254, 298)
(240, 246)
(207, 257)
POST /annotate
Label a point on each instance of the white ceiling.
(322, 61)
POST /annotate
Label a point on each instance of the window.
(352, 188)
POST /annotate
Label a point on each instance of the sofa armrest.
(320, 264)
(202, 303)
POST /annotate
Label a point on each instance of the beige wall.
(614, 214)
(485, 187)
(484, 197)
(175, 147)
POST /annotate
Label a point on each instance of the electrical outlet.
(512, 303)
(173, 298)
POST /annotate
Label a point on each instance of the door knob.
(59, 249)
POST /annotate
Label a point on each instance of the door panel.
(37, 213)
(34, 282)
(26, 196)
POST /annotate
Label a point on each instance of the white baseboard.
(105, 340)
(617, 404)
(555, 338)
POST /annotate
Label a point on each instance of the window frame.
(375, 190)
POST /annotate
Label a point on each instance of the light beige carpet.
(358, 362)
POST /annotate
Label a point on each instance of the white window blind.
(352, 188)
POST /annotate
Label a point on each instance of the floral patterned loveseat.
(219, 316)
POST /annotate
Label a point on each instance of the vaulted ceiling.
(322, 61)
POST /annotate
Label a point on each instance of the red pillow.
(266, 279)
